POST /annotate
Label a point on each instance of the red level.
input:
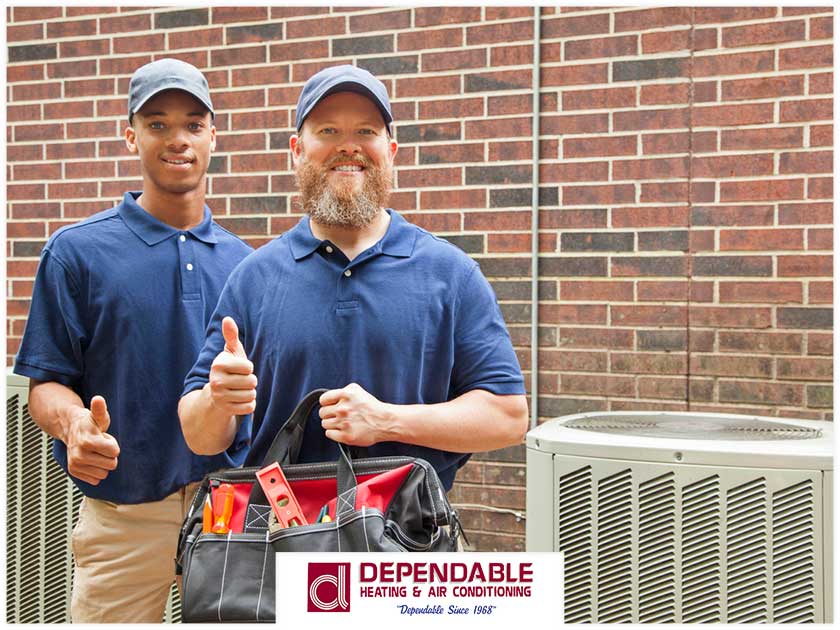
(280, 496)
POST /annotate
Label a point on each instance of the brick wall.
(685, 179)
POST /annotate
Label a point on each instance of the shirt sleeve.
(54, 340)
(214, 341)
(484, 355)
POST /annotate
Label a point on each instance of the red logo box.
(329, 587)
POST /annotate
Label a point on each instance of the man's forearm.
(53, 407)
(476, 421)
(207, 430)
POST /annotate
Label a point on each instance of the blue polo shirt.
(411, 320)
(119, 309)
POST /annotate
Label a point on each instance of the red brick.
(572, 218)
(652, 18)
(35, 14)
(452, 108)
(580, 74)
(508, 104)
(805, 266)
(319, 27)
(428, 86)
(75, 28)
(36, 92)
(452, 199)
(761, 292)
(509, 243)
(574, 172)
(35, 172)
(820, 188)
(454, 60)
(265, 119)
(600, 47)
(806, 213)
(820, 343)
(24, 153)
(804, 369)
(599, 146)
(707, 15)
(68, 109)
(800, 111)
(820, 238)
(762, 190)
(92, 129)
(196, 37)
(511, 55)
(24, 133)
(88, 87)
(677, 192)
(821, 28)
(760, 343)
(497, 221)
(732, 115)
(730, 317)
(597, 291)
(25, 32)
(821, 83)
(22, 113)
(497, 128)
(435, 221)
(24, 229)
(733, 63)
(32, 72)
(732, 165)
(601, 98)
(240, 184)
(597, 384)
(767, 33)
(139, 43)
(573, 361)
(574, 124)
(282, 13)
(73, 190)
(811, 57)
(711, 365)
(820, 292)
(387, 21)
(660, 168)
(644, 315)
(446, 15)
(507, 13)
(770, 138)
(648, 363)
(20, 192)
(500, 33)
(679, 142)
(806, 162)
(428, 177)
(766, 87)
(599, 195)
(575, 26)
(761, 240)
(240, 56)
(427, 39)
(650, 217)
(126, 23)
(651, 119)
(667, 94)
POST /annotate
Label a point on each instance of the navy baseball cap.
(345, 78)
(167, 74)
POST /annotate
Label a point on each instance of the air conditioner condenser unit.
(685, 517)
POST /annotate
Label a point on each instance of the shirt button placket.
(189, 279)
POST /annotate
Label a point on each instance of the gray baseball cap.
(344, 78)
(167, 74)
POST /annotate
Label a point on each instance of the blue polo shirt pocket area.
(347, 308)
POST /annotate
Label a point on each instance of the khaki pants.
(125, 558)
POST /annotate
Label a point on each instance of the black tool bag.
(379, 504)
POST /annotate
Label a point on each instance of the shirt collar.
(153, 231)
(398, 240)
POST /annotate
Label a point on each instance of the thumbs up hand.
(91, 452)
(233, 386)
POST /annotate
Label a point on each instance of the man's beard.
(339, 205)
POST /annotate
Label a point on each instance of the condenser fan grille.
(696, 428)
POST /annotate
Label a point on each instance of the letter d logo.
(329, 587)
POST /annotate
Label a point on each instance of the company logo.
(329, 587)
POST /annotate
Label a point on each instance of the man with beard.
(118, 313)
(400, 324)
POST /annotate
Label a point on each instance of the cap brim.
(172, 86)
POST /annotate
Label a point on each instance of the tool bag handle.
(285, 450)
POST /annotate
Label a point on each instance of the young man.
(402, 325)
(118, 314)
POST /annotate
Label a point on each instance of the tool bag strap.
(285, 450)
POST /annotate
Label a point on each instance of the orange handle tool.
(222, 509)
(280, 496)
(207, 516)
